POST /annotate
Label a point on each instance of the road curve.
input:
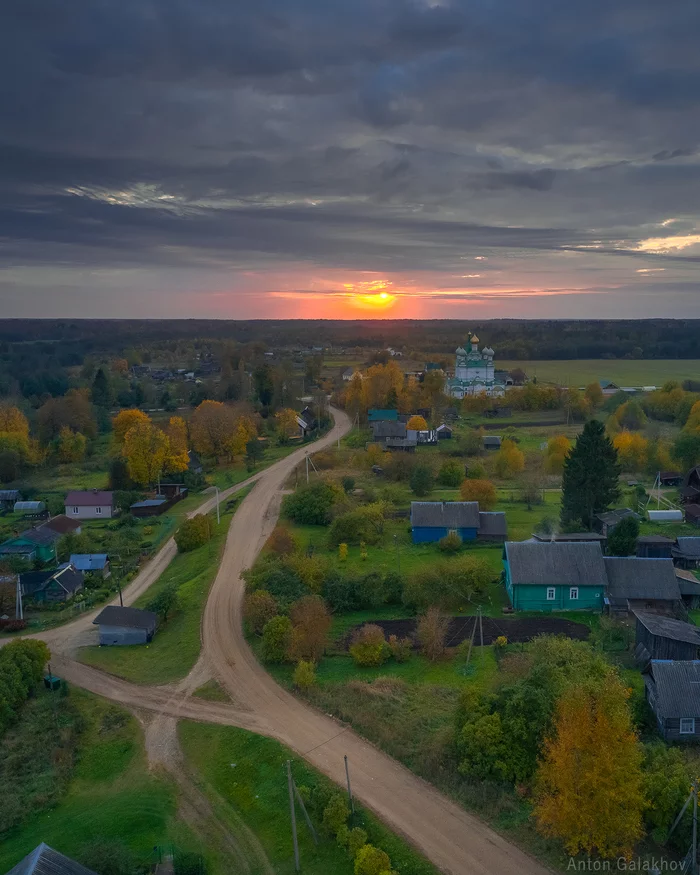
(452, 839)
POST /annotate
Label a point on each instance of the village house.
(659, 637)
(119, 626)
(394, 435)
(31, 544)
(608, 387)
(91, 563)
(492, 442)
(556, 576)
(62, 525)
(690, 491)
(375, 414)
(43, 860)
(670, 478)
(646, 584)
(654, 547)
(56, 585)
(444, 432)
(433, 520)
(672, 689)
(92, 504)
(686, 553)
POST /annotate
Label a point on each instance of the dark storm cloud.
(382, 134)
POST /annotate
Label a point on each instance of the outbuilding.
(659, 637)
(645, 584)
(151, 506)
(692, 514)
(655, 547)
(91, 563)
(689, 586)
(672, 690)
(605, 522)
(492, 442)
(686, 553)
(444, 432)
(8, 498)
(43, 860)
(120, 625)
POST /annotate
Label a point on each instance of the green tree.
(422, 481)
(686, 450)
(164, 602)
(277, 636)
(451, 473)
(622, 540)
(194, 532)
(101, 389)
(335, 814)
(310, 505)
(590, 479)
(254, 451)
(372, 861)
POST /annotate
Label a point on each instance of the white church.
(474, 372)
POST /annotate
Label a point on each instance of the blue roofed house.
(432, 520)
(95, 563)
(555, 576)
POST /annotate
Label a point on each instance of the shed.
(645, 584)
(492, 526)
(665, 516)
(665, 637)
(151, 506)
(62, 525)
(432, 520)
(92, 563)
(43, 860)
(29, 507)
(686, 553)
(120, 625)
(492, 442)
(672, 689)
(574, 537)
(670, 478)
(689, 586)
(690, 491)
(554, 576)
(8, 498)
(654, 547)
(605, 522)
(444, 432)
(692, 514)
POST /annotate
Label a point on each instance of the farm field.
(625, 372)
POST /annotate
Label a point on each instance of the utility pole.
(471, 642)
(307, 467)
(218, 517)
(347, 775)
(481, 628)
(398, 555)
(19, 610)
(290, 785)
(694, 860)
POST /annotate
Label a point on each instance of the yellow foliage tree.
(409, 396)
(355, 396)
(212, 428)
(126, 420)
(594, 395)
(287, 422)
(482, 491)
(692, 423)
(178, 459)
(557, 450)
(509, 460)
(632, 450)
(417, 423)
(70, 445)
(589, 783)
(245, 431)
(146, 449)
(13, 421)
(380, 383)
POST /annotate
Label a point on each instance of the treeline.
(21, 667)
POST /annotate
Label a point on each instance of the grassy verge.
(249, 772)
(111, 794)
(212, 691)
(175, 647)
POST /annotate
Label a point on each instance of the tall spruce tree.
(590, 480)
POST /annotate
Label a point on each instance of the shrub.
(372, 861)
(449, 583)
(310, 505)
(259, 608)
(400, 648)
(304, 676)
(276, 638)
(341, 592)
(476, 471)
(335, 814)
(280, 580)
(13, 625)
(348, 484)
(311, 623)
(364, 524)
(356, 840)
(451, 543)
(371, 591)
(281, 541)
(369, 647)
(451, 473)
(194, 533)
(431, 632)
(422, 481)
(482, 491)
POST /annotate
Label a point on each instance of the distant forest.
(68, 341)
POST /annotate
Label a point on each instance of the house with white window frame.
(90, 504)
(672, 689)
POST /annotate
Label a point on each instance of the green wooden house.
(39, 543)
(554, 576)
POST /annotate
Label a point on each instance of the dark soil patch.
(460, 629)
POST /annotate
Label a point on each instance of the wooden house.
(655, 547)
(492, 442)
(394, 435)
(55, 585)
(641, 584)
(686, 553)
(670, 478)
(444, 432)
(120, 626)
(62, 525)
(433, 520)
(151, 506)
(690, 491)
(90, 504)
(672, 690)
(605, 522)
(32, 544)
(554, 576)
(659, 637)
(43, 860)
(91, 563)
(689, 586)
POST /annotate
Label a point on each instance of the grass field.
(175, 647)
(112, 795)
(249, 773)
(624, 372)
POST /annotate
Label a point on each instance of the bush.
(476, 471)
(451, 543)
(451, 473)
(400, 648)
(279, 579)
(348, 484)
(341, 592)
(276, 638)
(281, 541)
(304, 676)
(335, 814)
(356, 840)
(258, 609)
(369, 647)
(364, 524)
(431, 632)
(482, 491)
(12, 625)
(451, 584)
(164, 602)
(311, 623)
(422, 481)
(310, 505)
(194, 533)
(372, 861)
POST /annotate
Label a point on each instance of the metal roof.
(560, 562)
(492, 523)
(669, 627)
(562, 537)
(389, 429)
(45, 861)
(632, 577)
(445, 514)
(88, 561)
(689, 546)
(90, 498)
(132, 618)
(677, 687)
(40, 535)
(10, 495)
(149, 502)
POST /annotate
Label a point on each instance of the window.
(687, 726)
(573, 593)
(551, 593)
(98, 510)
(76, 510)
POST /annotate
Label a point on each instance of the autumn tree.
(126, 420)
(381, 384)
(417, 423)
(354, 397)
(631, 416)
(311, 623)
(594, 395)
(589, 784)
(244, 432)
(70, 445)
(259, 608)
(286, 420)
(558, 449)
(509, 460)
(13, 421)
(432, 632)
(590, 479)
(410, 396)
(146, 449)
(178, 459)
(482, 491)
(632, 451)
(212, 429)
(73, 410)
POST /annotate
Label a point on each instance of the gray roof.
(689, 546)
(41, 535)
(149, 502)
(569, 536)
(561, 562)
(19, 549)
(10, 495)
(614, 516)
(492, 440)
(677, 687)
(445, 514)
(630, 577)
(655, 539)
(132, 618)
(492, 523)
(45, 861)
(668, 627)
(389, 429)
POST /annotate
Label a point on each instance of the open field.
(624, 372)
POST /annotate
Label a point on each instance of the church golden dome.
(474, 338)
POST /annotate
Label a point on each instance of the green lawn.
(112, 795)
(624, 372)
(249, 773)
(175, 647)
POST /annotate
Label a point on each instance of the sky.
(326, 159)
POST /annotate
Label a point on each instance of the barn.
(646, 584)
(125, 625)
(658, 637)
(672, 690)
(654, 547)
